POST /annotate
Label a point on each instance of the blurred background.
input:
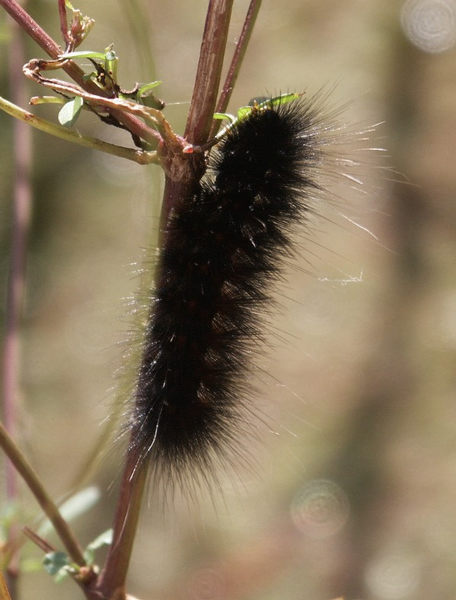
(353, 492)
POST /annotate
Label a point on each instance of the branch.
(22, 204)
(4, 594)
(111, 581)
(37, 33)
(20, 227)
(27, 472)
(209, 71)
(69, 135)
(38, 540)
(204, 96)
(236, 62)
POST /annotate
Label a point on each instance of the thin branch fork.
(47, 504)
(236, 62)
(155, 117)
(37, 33)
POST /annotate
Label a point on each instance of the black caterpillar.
(224, 248)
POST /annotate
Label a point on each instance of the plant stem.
(32, 480)
(209, 70)
(63, 22)
(236, 62)
(138, 156)
(112, 578)
(30, 26)
(39, 541)
(202, 106)
(4, 594)
(22, 200)
(16, 280)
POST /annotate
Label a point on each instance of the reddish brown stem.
(236, 62)
(209, 71)
(38, 540)
(33, 482)
(202, 106)
(111, 582)
(22, 198)
(63, 21)
(20, 229)
(112, 578)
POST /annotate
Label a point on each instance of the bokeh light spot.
(393, 577)
(430, 24)
(320, 508)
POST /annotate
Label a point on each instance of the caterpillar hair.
(222, 252)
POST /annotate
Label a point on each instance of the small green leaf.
(283, 99)
(54, 561)
(62, 574)
(84, 54)
(244, 112)
(222, 116)
(146, 87)
(70, 111)
(104, 539)
(145, 96)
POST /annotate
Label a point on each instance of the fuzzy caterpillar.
(223, 250)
